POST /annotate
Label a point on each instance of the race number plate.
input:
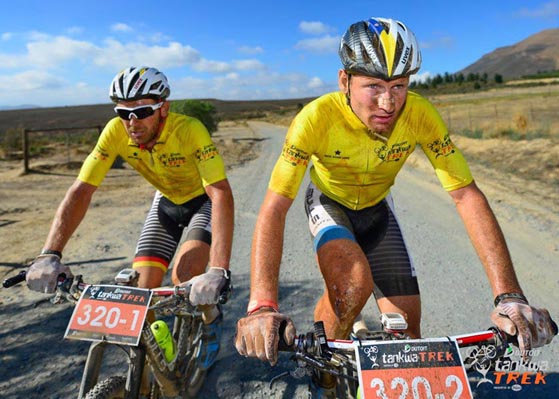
(426, 368)
(110, 313)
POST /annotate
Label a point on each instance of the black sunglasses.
(141, 112)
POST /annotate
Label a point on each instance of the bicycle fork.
(136, 361)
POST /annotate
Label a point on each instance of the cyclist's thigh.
(200, 225)
(391, 266)
(327, 220)
(156, 246)
(194, 252)
(341, 260)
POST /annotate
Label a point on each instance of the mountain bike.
(388, 364)
(160, 362)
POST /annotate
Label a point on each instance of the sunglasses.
(141, 112)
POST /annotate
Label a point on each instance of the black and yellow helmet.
(380, 47)
(135, 83)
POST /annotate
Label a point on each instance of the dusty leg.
(348, 286)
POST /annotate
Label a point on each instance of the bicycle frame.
(171, 381)
(178, 376)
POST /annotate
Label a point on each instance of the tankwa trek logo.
(509, 376)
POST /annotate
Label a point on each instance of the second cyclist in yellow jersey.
(355, 167)
(191, 217)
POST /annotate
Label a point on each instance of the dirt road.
(36, 363)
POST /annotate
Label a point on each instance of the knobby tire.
(109, 388)
(193, 375)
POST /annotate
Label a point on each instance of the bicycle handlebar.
(67, 287)
(11, 281)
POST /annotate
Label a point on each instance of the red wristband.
(255, 305)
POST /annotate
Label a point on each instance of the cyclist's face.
(376, 102)
(144, 131)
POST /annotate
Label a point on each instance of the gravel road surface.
(35, 362)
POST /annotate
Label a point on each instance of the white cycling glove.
(42, 275)
(206, 288)
(532, 326)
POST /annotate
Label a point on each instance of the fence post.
(25, 143)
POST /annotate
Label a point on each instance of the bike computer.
(126, 276)
(393, 321)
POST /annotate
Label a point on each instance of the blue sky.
(57, 53)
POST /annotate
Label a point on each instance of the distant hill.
(99, 114)
(538, 53)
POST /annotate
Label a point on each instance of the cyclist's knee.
(150, 277)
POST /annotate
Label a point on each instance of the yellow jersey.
(352, 166)
(183, 161)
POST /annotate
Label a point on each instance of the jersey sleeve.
(208, 160)
(100, 160)
(289, 170)
(448, 161)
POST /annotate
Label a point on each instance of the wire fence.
(515, 116)
(60, 145)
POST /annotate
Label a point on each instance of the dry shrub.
(521, 122)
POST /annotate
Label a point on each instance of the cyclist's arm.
(487, 238)
(267, 247)
(222, 223)
(69, 215)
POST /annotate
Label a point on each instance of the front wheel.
(109, 388)
(195, 382)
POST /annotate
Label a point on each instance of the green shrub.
(473, 134)
(203, 111)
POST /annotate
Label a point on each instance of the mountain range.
(538, 53)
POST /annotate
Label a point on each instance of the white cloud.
(57, 50)
(248, 65)
(442, 41)
(250, 50)
(420, 77)
(315, 83)
(74, 30)
(209, 66)
(35, 36)
(314, 27)
(159, 37)
(326, 44)
(43, 71)
(261, 85)
(7, 36)
(30, 81)
(121, 27)
(116, 54)
(547, 10)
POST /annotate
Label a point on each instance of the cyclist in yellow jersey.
(357, 140)
(177, 156)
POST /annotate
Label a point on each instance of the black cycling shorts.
(165, 225)
(377, 232)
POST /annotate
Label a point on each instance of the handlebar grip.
(554, 326)
(282, 345)
(225, 292)
(11, 281)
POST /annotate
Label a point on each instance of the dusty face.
(376, 102)
(144, 131)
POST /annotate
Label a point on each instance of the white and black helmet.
(135, 83)
(380, 47)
